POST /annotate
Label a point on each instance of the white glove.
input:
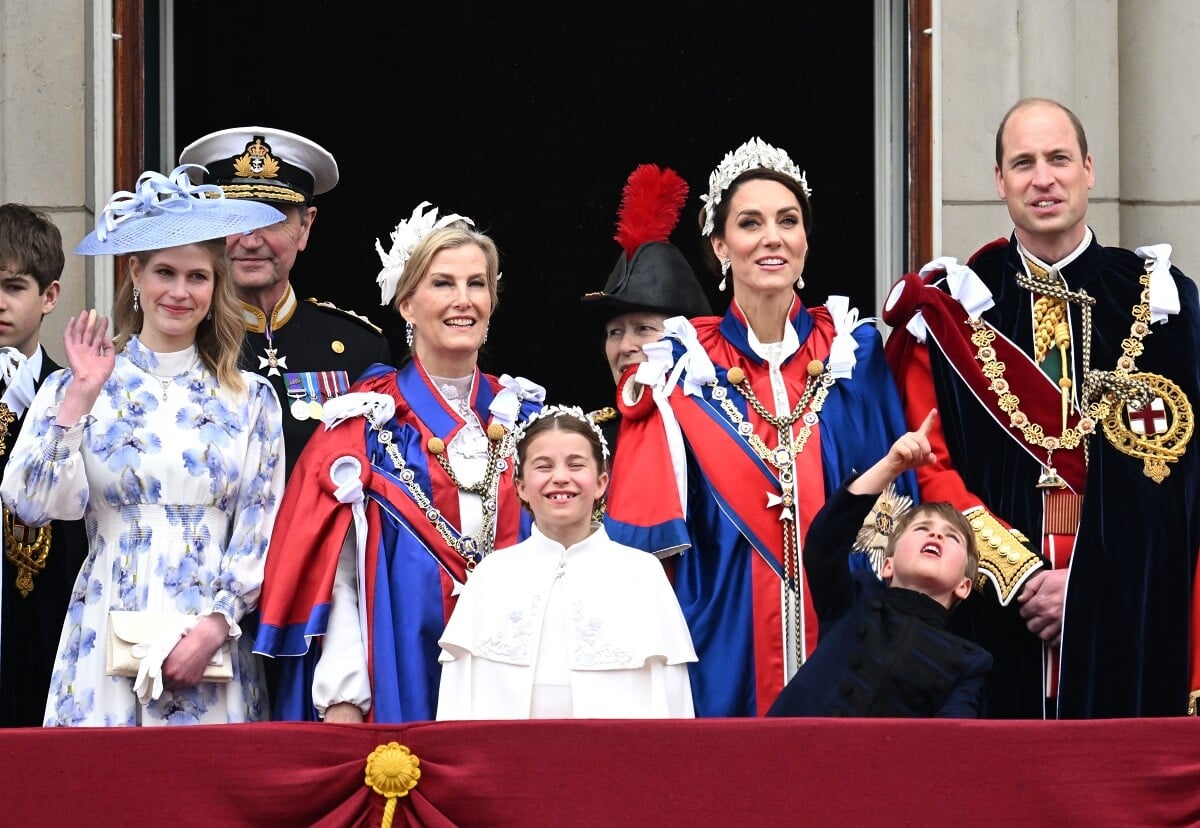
(149, 683)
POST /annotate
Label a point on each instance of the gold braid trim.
(1048, 313)
(1192, 698)
(262, 191)
(26, 548)
(1004, 558)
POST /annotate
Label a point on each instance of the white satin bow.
(378, 408)
(965, 286)
(694, 360)
(506, 406)
(841, 351)
(1164, 293)
(18, 376)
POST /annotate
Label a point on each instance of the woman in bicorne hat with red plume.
(736, 429)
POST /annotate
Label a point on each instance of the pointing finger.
(927, 425)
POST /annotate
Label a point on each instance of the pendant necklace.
(164, 383)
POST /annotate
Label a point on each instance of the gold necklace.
(1102, 392)
(816, 389)
(1107, 390)
(437, 447)
(472, 548)
(1008, 402)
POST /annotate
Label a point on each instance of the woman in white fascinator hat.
(174, 459)
(769, 407)
(407, 489)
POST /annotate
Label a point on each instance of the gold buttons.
(336, 346)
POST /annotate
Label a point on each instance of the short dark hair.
(1025, 103)
(721, 211)
(946, 511)
(31, 243)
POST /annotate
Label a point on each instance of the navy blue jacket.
(883, 651)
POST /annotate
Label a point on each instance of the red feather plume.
(650, 206)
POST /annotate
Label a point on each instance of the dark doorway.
(530, 124)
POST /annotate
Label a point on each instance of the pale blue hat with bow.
(169, 210)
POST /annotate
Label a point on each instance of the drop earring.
(485, 336)
(136, 295)
(799, 283)
(408, 334)
(724, 273)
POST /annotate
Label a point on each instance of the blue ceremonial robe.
(728, 581)
(410, 569)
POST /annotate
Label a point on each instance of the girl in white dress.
(171, 455)
(568, 623)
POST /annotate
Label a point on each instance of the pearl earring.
(408, 334)
(725, 265)
(136, 294)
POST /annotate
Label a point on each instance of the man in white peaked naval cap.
(310, 351)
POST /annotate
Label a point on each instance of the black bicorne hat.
(651, 274)
(657, 278)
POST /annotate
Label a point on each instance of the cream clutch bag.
(127, 629)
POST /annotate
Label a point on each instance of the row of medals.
(306, 409)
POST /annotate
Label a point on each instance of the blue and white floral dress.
(178, 482)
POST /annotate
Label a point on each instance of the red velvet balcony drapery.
(626, 773)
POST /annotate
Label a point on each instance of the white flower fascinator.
(754, 154)
(405, 237)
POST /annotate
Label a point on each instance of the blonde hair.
(218, 340)
(458, 234)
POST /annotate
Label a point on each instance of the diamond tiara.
(754, 154)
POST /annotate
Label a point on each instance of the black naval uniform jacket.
(881, 651)
(310, 339)
(31, 624)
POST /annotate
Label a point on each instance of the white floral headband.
(559, 411)
(754, 154)
(405, 238)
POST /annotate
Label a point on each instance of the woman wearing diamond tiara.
(171, 455)
(566, 624)
(751, 420)
(407, 489)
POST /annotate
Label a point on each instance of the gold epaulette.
(1005, 558)
(358, 316)
(602, 415)
(1192, 697)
